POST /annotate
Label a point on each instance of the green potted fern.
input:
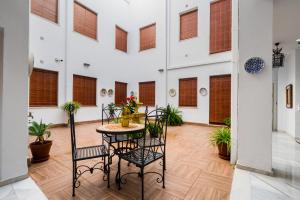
(66, 108)
(174, 116)
(221, 138)
(40, 148)
(154, 129)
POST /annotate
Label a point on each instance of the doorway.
(220, 98)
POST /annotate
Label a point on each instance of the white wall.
(286, 76)
(297, 94)
(60, 41)
(255, 91)
(110, 65)
(203, 73)
(14, 93)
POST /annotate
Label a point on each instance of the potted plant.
(175, 117)
(227, 122)
(221, 138)
(41, 147)
(66, 108)
(154, 130)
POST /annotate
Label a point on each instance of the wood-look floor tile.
(194, 170)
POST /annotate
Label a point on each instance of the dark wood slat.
(220, 98)
(189, 25)
(84, 90)
(188, 92)
(147, 93)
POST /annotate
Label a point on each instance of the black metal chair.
(111, 114)
(86, 153)
(151, 148)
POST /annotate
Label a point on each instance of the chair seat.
(136, 157)
(91, 152)
(153, 142)
(114, 138)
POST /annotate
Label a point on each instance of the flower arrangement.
(128, 109)
(130, 106)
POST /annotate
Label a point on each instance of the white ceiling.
(287, 23)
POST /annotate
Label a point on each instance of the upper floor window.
(220, 26)
(189, 25)
(85, 21)
(148, 37)
(43, 88)
(147, 93)
(121, 39)
(47, 9)
(84, 90)
(188, 92)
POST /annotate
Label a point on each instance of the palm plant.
(174, 116)
(66, 107)
(221, 137)
(40, 130)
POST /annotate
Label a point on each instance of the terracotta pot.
(223, 152)
(40, 152)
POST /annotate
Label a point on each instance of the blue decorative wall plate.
(254, 65)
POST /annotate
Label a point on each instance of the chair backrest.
(155, 137)
(110, 113)
(72, 127)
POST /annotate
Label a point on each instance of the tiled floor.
(194, 170)
(285, 185)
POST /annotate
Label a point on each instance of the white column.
(14, 21)
(254, 107)
(297, 94)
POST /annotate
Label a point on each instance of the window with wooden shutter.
(220, 26)
(43, 88)
(147, 93)
(121, 39)
(120, 93)
(84, 90)
(189, 25)
(47, 9)
(148, 37)
(188, 92)
(85, 21)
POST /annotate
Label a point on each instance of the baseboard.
(268, 173)
(76, 123)
(203, 124)
(13, 180)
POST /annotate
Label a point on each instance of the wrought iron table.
(121, 139)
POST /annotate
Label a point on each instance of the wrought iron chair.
(86, 153)
(152, 147)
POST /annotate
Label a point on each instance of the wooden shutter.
(220, 26)
(220, 98)
(120, 93)
(43, 88)
(189, 25)
(148, 37)
(84, 90)
(147, 93)
(85, 21)
(121, 39)
(188, 92)
(47, 9)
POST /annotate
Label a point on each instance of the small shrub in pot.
(221, 138)
(40, 148)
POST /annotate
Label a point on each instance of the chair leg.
(119, 174)
(142, 178)
(108, 173)
(163, 169)
(74, 177)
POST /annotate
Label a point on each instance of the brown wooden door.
(220, 98)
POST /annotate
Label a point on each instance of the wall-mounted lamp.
(58, 60)
(86, 65)
(278, 56)
(161, 70)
